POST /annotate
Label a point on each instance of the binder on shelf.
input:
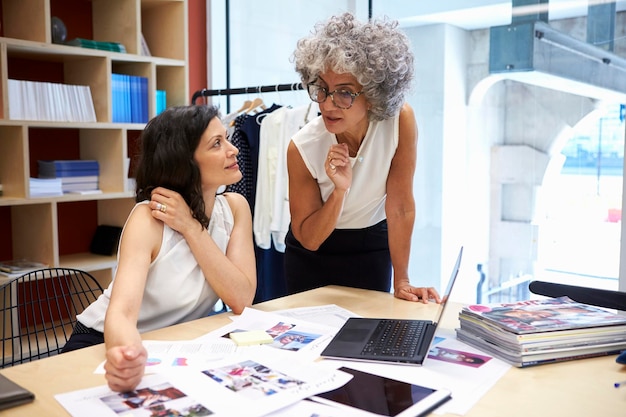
(129, 98)
(79, 175)
(120, 97)
(161, 101)
(116, 93)
(135, 99)
(69, 173)
(68, 168)
(126, 99)
(144, 113)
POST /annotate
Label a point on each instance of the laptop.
(398, 341)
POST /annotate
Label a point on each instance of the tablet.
(12, 394)
(382, 396)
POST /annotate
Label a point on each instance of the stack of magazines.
(535, 332)
(16, 268)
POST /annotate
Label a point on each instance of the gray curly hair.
(376, 53)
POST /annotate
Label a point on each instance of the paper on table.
(468, 384)
(298, 337)
(164, 355)
(251, 383)
(294, 335)
(328, 315)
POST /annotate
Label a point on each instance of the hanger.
(244, 106)
(257, 102)
(243, 109)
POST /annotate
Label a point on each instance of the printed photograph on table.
(279, 329)
(473, 360)
(252, 379)
(293, 341)
(284, 337)
(159, 400)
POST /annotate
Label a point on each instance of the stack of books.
(45, 187)
(34, 100)
(16, 268)
(535, 332)
(76, 175)
(129, 98)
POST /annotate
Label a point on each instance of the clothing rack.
(246, 90)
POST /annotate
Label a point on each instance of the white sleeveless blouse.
(364, 205)
(176, 290)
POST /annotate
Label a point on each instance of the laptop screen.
(446, 295)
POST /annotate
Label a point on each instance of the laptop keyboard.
(395, 338)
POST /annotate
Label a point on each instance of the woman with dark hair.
(183, 247)
(351, 169)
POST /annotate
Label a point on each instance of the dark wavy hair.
(168, 143)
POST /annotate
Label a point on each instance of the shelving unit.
(58, 230)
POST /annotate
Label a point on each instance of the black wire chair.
(38, 311)
(593, 296)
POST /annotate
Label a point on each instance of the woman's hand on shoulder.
(172, 209)
(124, 366)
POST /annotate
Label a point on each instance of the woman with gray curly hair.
(351, 169)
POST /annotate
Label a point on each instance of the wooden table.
(576, 388)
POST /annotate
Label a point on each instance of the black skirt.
(350, 257)
(82, 337)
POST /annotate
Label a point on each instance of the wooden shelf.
(45, 229)
(88, 262)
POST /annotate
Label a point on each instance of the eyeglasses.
(343, 99)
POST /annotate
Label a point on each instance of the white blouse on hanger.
(271, 207)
